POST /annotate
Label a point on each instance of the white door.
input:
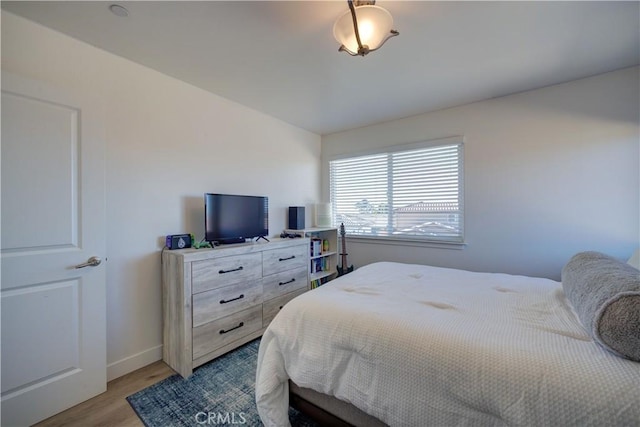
(53, 219)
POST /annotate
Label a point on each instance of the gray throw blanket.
(605, 294)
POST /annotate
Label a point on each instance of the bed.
(413, 345)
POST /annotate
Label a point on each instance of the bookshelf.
(323, 254)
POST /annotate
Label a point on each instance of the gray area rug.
(221, 392)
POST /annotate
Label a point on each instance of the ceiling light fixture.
(365, 32)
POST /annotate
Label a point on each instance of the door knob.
(94, 261)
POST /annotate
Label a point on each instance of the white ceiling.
(281, 58)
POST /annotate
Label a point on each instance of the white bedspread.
(415, 345)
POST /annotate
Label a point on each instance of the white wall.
(167, 144)
(548, 173)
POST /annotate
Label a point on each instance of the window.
(412, 193)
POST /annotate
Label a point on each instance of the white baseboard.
(134, 362)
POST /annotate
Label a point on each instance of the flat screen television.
(230, 218)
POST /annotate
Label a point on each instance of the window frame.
(410, 240)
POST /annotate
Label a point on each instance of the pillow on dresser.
(605, 294)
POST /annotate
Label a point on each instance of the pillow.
(605, 294)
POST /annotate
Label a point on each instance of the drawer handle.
(230, 271)
(286, 283)
(233, 299)
(286, 259)
(240, 325)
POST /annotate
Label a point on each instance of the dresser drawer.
(273, 306)
(278, 260)
(224, 271)
(285, 282)
(216, 334)
(221, 302)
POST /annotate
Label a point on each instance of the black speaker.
(296, 217)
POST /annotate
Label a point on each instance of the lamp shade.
(374, 26)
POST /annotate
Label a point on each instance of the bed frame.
(327, 410)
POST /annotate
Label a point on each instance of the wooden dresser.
(215, 300)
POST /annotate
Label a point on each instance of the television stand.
(262, 237)
(193, 282)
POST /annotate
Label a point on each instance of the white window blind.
(411, 194)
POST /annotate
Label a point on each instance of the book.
(316, 247)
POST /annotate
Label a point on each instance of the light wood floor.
(111, 407)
